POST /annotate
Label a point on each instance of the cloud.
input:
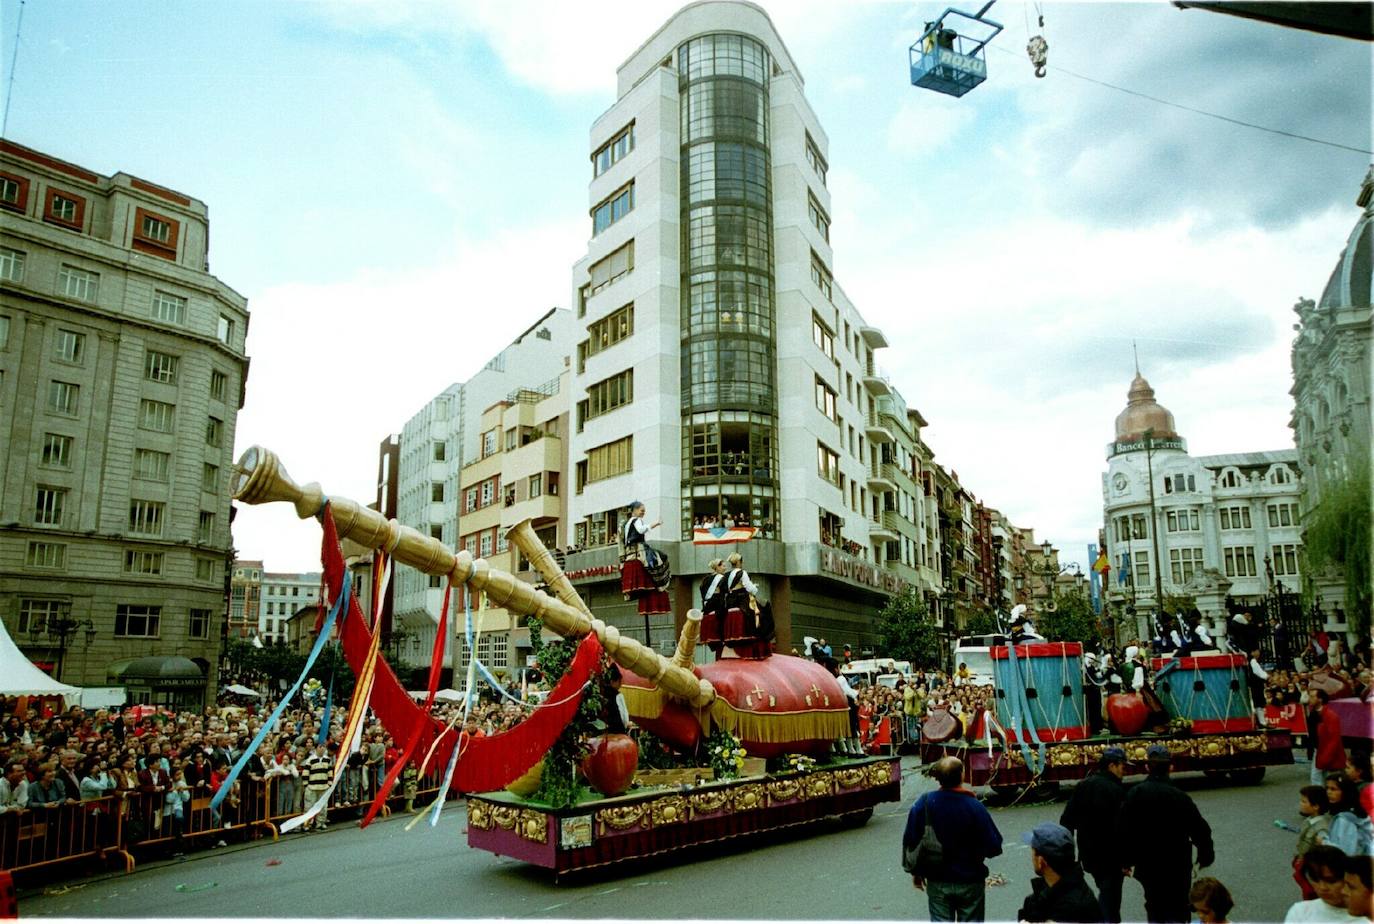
(340, 365)
(924, 124)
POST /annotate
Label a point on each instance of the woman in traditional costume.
(742, 623)
(713, 605)
(644, 572)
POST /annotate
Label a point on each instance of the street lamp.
(61, 628)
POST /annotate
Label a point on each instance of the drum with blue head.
(1210, 690)
(1051, 674)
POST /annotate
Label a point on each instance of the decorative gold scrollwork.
(533, 826)
(479, 815)
(1015, 758)
(669, 810)
(748, 796)
(1210, 747)
(784, 790)
(709, 802)
(879, 774)
(505, 816)
(1092, 753)
(1179, 747)
(1249, 743)
(624, 816)
(850, 777)
(1137, 751)
(818, 784)
(1065, 755)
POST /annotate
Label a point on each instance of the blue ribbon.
(1019, 702)
(325, 631)
(323, 735)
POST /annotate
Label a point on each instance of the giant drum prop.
(1208, 689)
(1052, 674)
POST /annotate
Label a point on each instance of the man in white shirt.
(14, 789)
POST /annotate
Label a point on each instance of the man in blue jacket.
(956, 885)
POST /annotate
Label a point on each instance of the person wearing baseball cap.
(1091, 814)
(1059, 892)
(1158, 828)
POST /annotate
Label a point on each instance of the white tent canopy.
(18, 676)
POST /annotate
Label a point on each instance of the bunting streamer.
(343, 597)
(353, 728)
(436, 663)
(323, 735)
(487, 763)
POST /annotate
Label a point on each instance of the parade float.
(748, 740)
(1041, 727)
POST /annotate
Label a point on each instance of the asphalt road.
(831, 874)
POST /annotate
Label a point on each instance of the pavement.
(825, 873)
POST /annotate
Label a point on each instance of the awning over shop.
(158, 671)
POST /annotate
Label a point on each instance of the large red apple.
(1127, 713)
(611, 765)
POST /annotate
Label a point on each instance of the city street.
(831, 875)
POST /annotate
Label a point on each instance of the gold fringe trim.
(642, 703)
(795, 726)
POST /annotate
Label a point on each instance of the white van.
(976, 652)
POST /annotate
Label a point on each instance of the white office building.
(721, 372)
(281, 596)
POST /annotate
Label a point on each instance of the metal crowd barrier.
(43, 836)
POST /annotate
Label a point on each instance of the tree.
(1337, 537)
(907, 631)
(981, 623)
(1072, 620)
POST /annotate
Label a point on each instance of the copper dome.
(1143, 413)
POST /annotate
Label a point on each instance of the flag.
(257, 641)
(1100, 560)
(1125, 568)
(1095, 576)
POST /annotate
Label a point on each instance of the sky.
(400, 189)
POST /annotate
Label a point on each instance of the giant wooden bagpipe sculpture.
(775, 705)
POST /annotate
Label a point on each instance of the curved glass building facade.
(729, 361)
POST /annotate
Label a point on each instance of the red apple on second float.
(1127, 713)
(611, 765)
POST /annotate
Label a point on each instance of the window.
(169, 308)
(1182, 521)
(214, 432)
(512, 438)
(502, 544)
(225, 330)
(47, 555)
(156, 415)
(1140, 526)
(205, 569)
(137, 561)
(37, 615)
(1279, 475)
(1142, 569)
(137, 621)
(436, 531)
(63, 397)
(819, 219)
(486, 546)
(1235, 517)
(49, 505)
(64, 208)
(612, 151)
(219, 384)
(609, 331)
(822, 278)
(440, 450)
(814, 158)
(607, 395)
(488, 489)
(470, 500)
(1283, 515)
(145, 517)
(613, 208)
(155, 229)
(607, 461)
(1285, 559)
(1239, 561)
(11, 264)
(198, 625)
(1230, 479)
(151, 465)
(436, 491)
(4, 331)
(57, 451)
(206, 529)
(1184, 563)
(822, 337)
(536, 485)
(14, 192)
(77, 283)
(827, 463)
(825, 403)
(610, 269)
(488, 443)
(160, 367)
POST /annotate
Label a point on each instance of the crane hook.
(1039, 50)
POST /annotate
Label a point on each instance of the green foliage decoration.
(559, 786)
(1336, 536)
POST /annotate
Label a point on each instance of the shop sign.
(1154, 445)
(837, 563)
